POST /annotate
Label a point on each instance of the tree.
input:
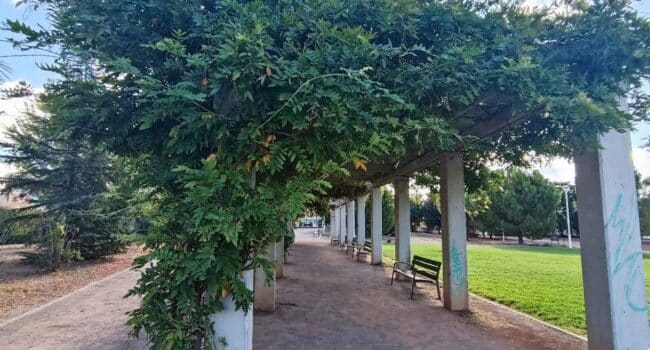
(387, 213)
(430, 215)
(644, 215)
(527, 206)
(476, 203)
(63, 180)
(415, 216)
(424, 212)
(20, 89)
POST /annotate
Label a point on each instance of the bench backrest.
(426, 267)
(367, 246)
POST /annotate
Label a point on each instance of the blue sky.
(25, 68)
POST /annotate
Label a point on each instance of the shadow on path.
(328, 301)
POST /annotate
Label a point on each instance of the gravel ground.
(326, 301)
(91, 318)
(23, 287)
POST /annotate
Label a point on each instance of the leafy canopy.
(242, 113)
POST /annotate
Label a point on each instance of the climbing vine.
(243, 113)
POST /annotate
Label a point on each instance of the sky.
(26, 68)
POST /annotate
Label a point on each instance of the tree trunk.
(521, 239)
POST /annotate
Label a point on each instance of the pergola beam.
(492, 115)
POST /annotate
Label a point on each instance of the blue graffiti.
(625, 261)
(457, 270)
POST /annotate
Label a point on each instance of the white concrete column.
(351, 216)
(376, 226)
(610, 240)
(264, 291)
(454, 231)
(235, 326)
(278, 248)
(361, 220)
(343, 222)
(403, 220)
(396, 220)
(334, 229)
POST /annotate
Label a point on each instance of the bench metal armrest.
(397, 264)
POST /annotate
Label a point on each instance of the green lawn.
(542, 281)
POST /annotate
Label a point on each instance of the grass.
(543, 282)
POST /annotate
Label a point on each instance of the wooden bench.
(363, 251)
(421, 270)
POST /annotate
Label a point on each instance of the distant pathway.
(328, 301)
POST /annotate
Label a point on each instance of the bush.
(12, 231)
(51, 251)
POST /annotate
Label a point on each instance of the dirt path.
(24, 287)
(91, 318)
(328, 301)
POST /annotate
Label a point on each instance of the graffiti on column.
(457, 270)
(628, 258)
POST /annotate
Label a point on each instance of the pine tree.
(527, 205)
(64, 181)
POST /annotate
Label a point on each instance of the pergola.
(614, 284)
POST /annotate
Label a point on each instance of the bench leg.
(438, 288)
(392, 277)
(412, 288)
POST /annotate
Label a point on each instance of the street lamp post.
(566, 189)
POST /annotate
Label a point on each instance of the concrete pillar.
(343, 222)
(361, 220)
(403, 220)
(334, 229)
(351, 216)
(610, 240)
(264, 292)
(396, 220)
(331, 223)
(454, 231)
(235, 326)
(278, 248)
(376, 226)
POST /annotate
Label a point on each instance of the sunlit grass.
(544, 282)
